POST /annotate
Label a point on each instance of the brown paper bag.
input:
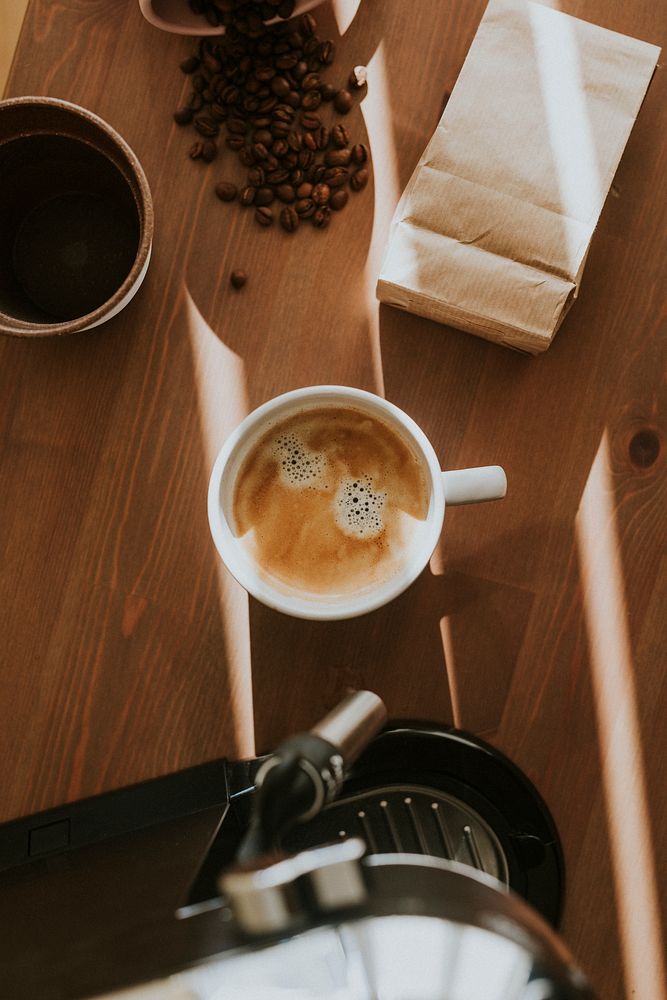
(492, 232)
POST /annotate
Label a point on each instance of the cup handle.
(487, 482)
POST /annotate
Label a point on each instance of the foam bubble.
(299, 466)
(358, 508)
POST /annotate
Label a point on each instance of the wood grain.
(126, 650)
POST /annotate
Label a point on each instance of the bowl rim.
(24, 328)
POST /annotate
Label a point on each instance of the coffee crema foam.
(330, 500)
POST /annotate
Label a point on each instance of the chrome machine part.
(352, 724)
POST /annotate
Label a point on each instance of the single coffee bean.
(295, 141)
(271, 162)
(306, 157)
(238, 279)
(297, 177)
(338, 199)
(280, 86)
(321, 194)
(209, 151)
(261, 121)
(286, 193)
(328, 92)
(247, 196)
(305, 207)
(287, 61)
(340, 137)
(264, 136)
(289, 219)
(304, 190)
(326, 53)
(321, 217)
(311, 100)
(280, 130)
(260, 151)
(359, 153)
(256, 177)
(310, 121)
(358, 78)
(264, 196)
(246, 156)
(322, 137)
(235, 141)
(183, 116)
(196, 150)
(307, 25)
(311, 81)
(252, 86)
(290, 160)
(265, 73)
(226, 191)
(300, 70)
(293, 99)
(310, 46)
(190, 64)
(278, 176)
(195, 101)
(266, 104)
(283, 113)
(359, 179)
(343, 102)
(310, 142)
(279, 147)
(230, 95)
(218, 112)
(316, 173)
(264, 216)
(236, 126)
(338, 157)
(207, 127)
(336, 176)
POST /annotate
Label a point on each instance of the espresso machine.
(359, 861)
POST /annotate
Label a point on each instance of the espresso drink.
(331, 501)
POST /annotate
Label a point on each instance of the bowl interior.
(73, 215)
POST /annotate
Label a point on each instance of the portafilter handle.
(308, 770)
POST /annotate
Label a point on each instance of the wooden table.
(128, 652)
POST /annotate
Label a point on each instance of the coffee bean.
(321, 194)
(278, 176)
(359, 179)
(246, 156)
(326, 53)
(300, 70)
(236, 126)
(311, 121)
(280, 86)
(256, 177)
(199, 83)
(310, 142)
(295, 141)
(289, 219)
(206, 126)
(307, 25)
(359, 153)
(310, 82)
(328, 92)
(226, 191)
(264, 196)
(196, 150)
(196, 101)
(338, 199)
(265, 73)
(238, 279)
(280, 147)
(340, 137)
(293, 99)
(305, 207)
(316, 173)
(304, 190)
(305, 158)
(190, 64)
(338, 157)
(358, 78)
(321, 217)
(209, 151)
(336, 176)
(286, 193)
(260, 151)
(311, 100)
(183, 116)
(247, 196)
(264, 136)
(264, 216)
(297, 177)
(287, 61)
(235, 142)
(343, 102)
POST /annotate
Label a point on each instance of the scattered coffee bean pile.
(262, 86)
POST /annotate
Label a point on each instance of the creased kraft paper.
(492, 232)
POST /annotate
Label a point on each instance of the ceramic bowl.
(76, 219)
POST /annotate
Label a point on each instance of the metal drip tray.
(408, 819)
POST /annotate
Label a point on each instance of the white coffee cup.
(457, 487)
